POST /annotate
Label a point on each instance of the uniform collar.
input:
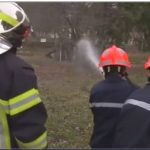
(13, 50)
(114, 77)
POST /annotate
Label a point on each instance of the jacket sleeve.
(27, 112)
(132, 128)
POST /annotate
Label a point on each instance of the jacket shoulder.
(23, 76)
(98, 86)
(17, 64)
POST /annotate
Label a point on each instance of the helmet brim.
(4, 45)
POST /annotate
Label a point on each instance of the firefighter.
(134, 123)
(107, 96)
(22, 113)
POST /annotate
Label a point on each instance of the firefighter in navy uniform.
(107, 96)
(133, 129)
(22, 113)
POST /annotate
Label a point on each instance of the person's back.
(106, 100)
(23, 115)
(134, 122)
(18, 77)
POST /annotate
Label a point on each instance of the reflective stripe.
(39, 143)
(138, 103)
(2, 139)
(118, 62)
(122, 62)
(23, 96)
(4, 131)
(22, 102)
(105, 63)
(103, 104)
(8, 19)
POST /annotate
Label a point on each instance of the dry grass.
(65, 93)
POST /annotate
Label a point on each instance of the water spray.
(87, 52)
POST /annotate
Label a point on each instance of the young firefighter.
(107, 97)
(22, 113)
(133, 129)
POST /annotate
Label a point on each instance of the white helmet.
(14, 26)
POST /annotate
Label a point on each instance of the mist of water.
(89, 54)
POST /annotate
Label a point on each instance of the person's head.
(14, 26)
(114, 60)
(147, 67)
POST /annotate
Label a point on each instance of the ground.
(65, 92)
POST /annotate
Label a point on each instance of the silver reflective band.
(38, 145)
(20, 103)
(4, 45)
(4, 131)
(106, 62)
(2, 139)
(24, 101)
(138, 103)
(121, 62)
(103, 104)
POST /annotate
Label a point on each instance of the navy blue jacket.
(133, 129)
(106, 100)
(16, 79)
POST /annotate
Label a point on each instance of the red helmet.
(114, 56)
(147, 63)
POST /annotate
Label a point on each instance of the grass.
(65, 93)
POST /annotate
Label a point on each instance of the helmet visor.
(11, 16)
(4, 45)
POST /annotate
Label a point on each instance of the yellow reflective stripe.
(23, 96)
(22, 102)
(6, 132)
(40, 142)
(5, 129)
(5, 105)
(25, 106)
(8, 19)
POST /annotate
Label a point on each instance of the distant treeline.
(105, 23)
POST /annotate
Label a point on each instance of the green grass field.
(65, 93)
